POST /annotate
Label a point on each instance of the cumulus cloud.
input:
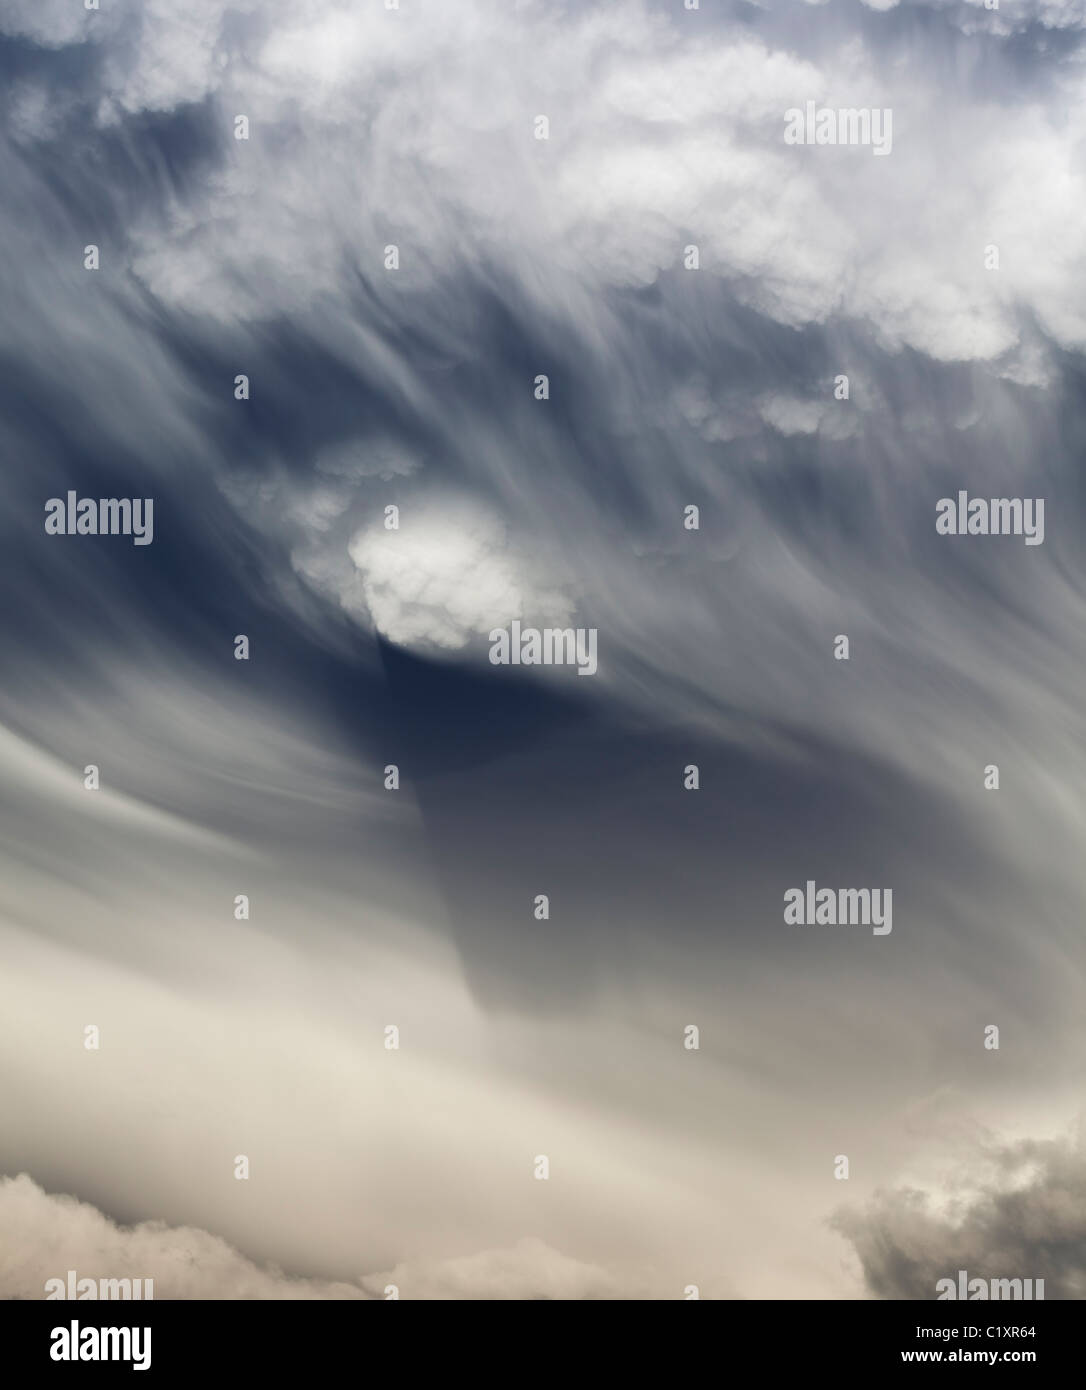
(446, 576)
(43, 1235)
(1022, 1216)
(652, 135)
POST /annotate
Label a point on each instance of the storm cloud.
(1020, 1216)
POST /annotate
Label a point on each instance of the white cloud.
(445, 576)
(395, 135)
(789, 415)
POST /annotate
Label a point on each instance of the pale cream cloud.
(44, 1235)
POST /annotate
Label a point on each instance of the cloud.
(982, 17)
(528, 1270)
(789, 415)
(51, 22)
(654, 142)
(669, 387)
(447, 576)
(43, 1235)
(368, 127)
(1023, 1217)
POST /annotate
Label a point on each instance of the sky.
(417, 321)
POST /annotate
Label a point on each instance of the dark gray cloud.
(1022, 1217)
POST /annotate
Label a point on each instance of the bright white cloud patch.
(443, 578)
